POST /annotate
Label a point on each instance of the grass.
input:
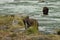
(31, 30)
(30, 34)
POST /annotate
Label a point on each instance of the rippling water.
(34, 10)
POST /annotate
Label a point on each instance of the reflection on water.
(34, 10)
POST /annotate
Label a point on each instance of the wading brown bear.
(45, 10)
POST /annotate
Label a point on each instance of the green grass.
(31, 30)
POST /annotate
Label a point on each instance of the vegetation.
(11, 31)
(31, 30)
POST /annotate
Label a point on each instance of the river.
(33, 8)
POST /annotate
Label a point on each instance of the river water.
(33, 8)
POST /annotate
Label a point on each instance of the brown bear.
(45, 10)
(30, 22)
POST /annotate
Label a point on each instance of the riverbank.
(13, 28)
(22, 36)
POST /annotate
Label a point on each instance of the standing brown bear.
(30, 22)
